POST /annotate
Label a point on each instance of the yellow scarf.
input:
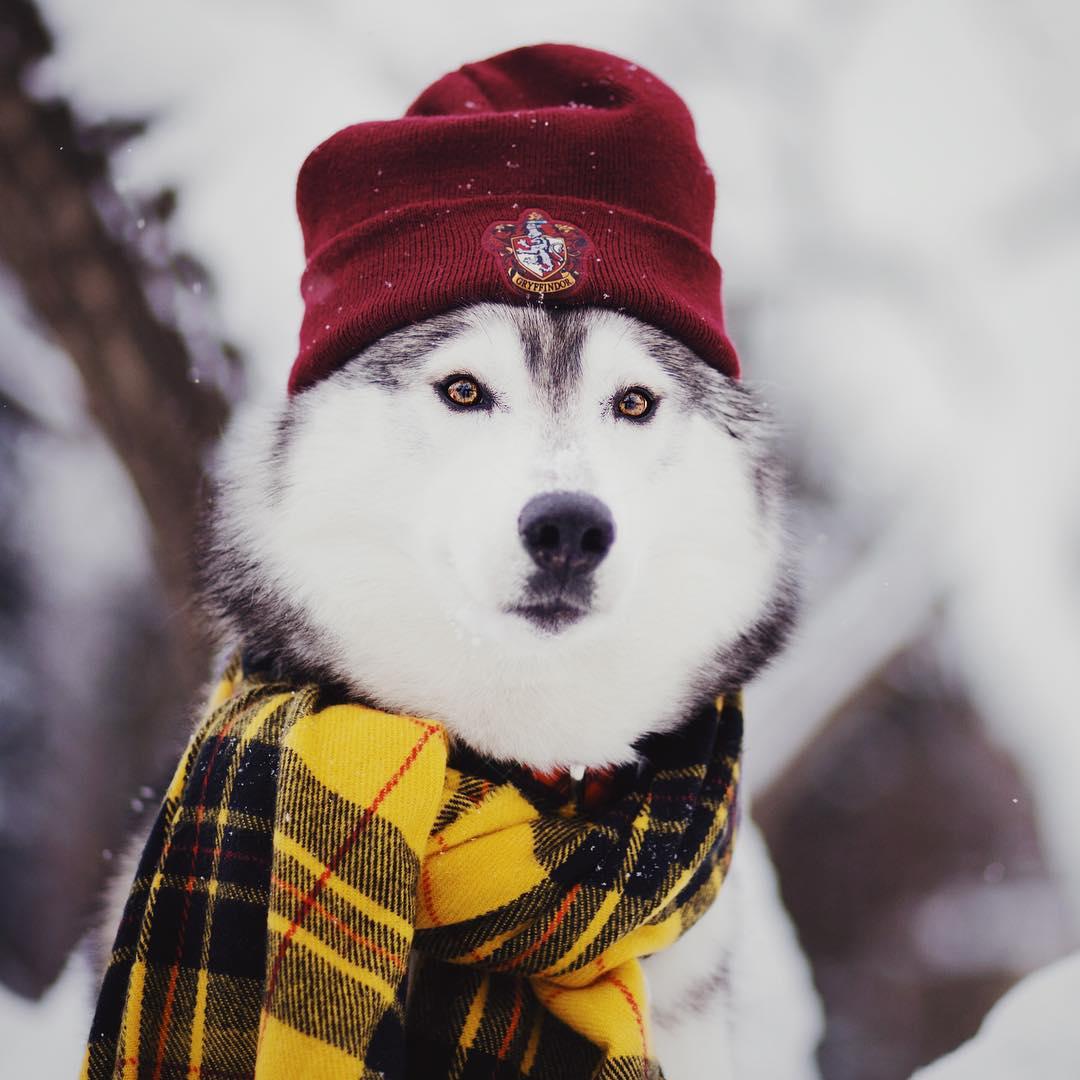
(309, 856)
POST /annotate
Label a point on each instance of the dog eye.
(636, 403)
(464, 392)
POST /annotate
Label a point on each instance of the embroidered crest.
(539, 255)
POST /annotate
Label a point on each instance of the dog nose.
(567, 533)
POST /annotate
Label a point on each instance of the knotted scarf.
(334, 891)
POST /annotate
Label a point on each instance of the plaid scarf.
(310, 854)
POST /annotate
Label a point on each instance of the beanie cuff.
(425, 258)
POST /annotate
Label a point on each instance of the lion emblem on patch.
(539, 255)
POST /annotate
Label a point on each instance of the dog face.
(554, 532)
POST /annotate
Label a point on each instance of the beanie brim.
(420, 260)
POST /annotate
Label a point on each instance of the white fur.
(396, 534)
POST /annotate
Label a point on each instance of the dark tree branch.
(85, 289)
(72, 769)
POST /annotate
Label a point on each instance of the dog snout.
(567, 533)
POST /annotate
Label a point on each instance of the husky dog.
(554, 531)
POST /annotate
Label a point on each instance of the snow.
(937, 325)
(67, 473)
(1016, 926)
(1031, 1032)
(47, 1038)
(46, 383)
(898, 221)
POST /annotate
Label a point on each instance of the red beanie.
(548, 174)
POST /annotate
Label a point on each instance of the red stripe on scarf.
(305, 904)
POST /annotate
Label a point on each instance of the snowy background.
(898, 216)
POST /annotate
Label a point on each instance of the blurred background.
(898, 216)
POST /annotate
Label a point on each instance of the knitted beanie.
(549, 174)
